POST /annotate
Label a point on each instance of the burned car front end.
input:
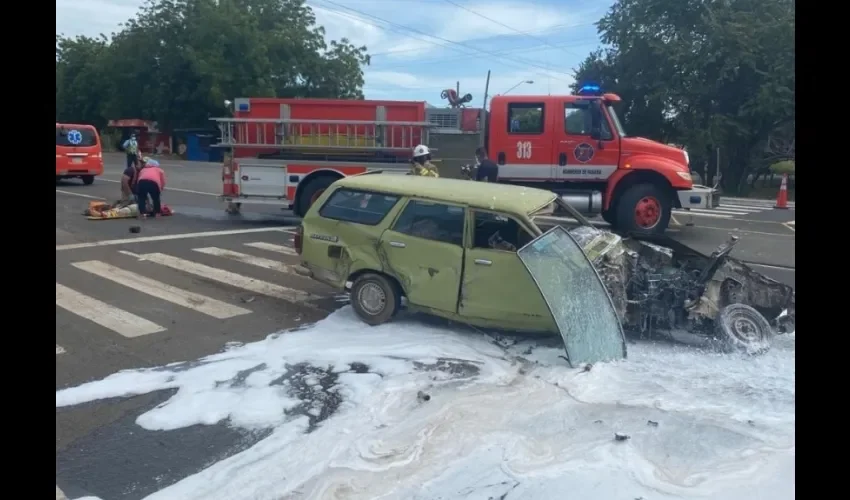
(674, 292)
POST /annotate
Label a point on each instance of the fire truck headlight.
(685, 175)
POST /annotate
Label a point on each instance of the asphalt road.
(187, 285)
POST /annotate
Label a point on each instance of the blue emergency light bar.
(590, 89)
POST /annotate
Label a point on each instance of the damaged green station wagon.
(465, 251)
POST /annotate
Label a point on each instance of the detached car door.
(424, 252)
(576, 296)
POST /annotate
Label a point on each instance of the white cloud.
(93, 17)
(400, 85)
(410, 65)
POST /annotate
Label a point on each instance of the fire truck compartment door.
(261, 179)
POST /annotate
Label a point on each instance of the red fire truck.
(288, 151)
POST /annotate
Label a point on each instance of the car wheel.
(88, 180)
(374, 298)
(740, 327)
(311, 193)
(644, 209)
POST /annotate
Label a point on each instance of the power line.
(460, 44)
(551, 28)
(501, 52)
(524, 33)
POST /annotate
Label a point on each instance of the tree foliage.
(178, 60)
(704, 73)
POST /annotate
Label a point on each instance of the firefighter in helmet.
(421, 164)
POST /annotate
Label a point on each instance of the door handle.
(562, 159)
(397, 244)
(483, 262)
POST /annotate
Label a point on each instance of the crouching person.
(151, 182)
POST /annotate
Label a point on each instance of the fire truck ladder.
(321, 134)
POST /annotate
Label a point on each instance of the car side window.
(359, 207)
(525, 118)
(578, 120)
(432, 221)
(499, 232)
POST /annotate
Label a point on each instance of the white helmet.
(421, 150)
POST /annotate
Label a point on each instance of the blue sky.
(420, 47)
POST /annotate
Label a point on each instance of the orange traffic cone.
(782, 196)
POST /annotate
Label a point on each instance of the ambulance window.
(525, 118)
(80, 136)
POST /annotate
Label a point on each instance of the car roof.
(491, 196)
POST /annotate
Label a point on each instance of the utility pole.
(484, 112)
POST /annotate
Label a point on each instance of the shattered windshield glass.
(576, 296)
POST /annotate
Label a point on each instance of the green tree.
(178, 60)
(80, 81)
(706, 73)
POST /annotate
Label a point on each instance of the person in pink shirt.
(151, 182)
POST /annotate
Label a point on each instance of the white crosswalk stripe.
(105, 315)
(284, 284)
(724, 211)
(226, 277)
(272, 248)
(272, 265)
(198, 302)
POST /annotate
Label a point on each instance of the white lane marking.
(206, 305)
(80, 195)
(190, 191)
(168, 237)
(225, 277)
(60, 349)
(716, 216)
(105, 315)
(749, 208)
(790, 225)
(270, 247)
(60, 495)
(716, 211)
(270, 264)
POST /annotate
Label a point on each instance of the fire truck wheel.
(644, 209)
(88, 180)
(311, 193)
(610, 216)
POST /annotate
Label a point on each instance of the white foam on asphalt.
(524, 423)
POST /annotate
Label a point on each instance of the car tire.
(88, 180)
(637, 206)
(739, 327)
(311, 193)
(375, 298)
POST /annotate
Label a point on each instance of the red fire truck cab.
(286, 152)
(575, 145)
